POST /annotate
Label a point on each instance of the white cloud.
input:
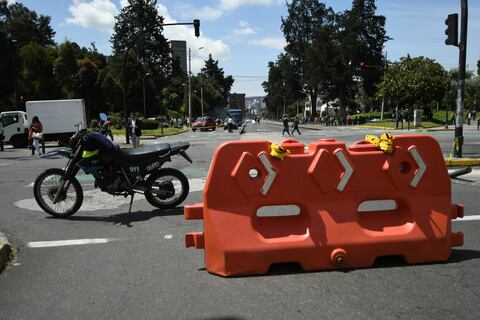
(217, 48)
(209, 13)
(229, 5)
(244, 29)
(271, 43)
(206, 13)
(9, 2)
(94, 14)
(123, 3)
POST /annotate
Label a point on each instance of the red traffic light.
(362, 65)
(22, 99)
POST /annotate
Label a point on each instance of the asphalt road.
(143, 271)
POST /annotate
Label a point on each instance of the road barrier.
(355, 205)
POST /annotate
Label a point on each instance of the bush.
(94, 123)
(150, 124)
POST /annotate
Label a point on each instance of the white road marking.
(30, 185)
(64, 243)
(168, 236)
(468, 218)
(197, 184)
(95, 200)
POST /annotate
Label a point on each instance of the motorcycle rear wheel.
(45, 188)
(172, 183)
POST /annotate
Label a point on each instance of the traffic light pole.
(461, 80)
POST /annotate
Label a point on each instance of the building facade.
(236, 101)
(179, 50)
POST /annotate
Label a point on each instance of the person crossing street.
(295, 126)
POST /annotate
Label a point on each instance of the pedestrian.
(2, 137)
(295, 126)
(474, 113)
(134, 125)
(478, 123)
(107, 128)
(285, 126)
(469, 117)
(229, 123)
(35, 135)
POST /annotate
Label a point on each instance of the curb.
(5, 252)
(462, 162)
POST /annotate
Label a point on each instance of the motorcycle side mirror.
(103, 116)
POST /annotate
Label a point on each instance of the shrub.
(94, 123)
(150, 124)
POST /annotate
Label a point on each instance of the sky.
(244, 35)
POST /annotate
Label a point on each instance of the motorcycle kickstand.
(131, 202)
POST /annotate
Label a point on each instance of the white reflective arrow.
(272, 174)
(348, 170)
(422, 167)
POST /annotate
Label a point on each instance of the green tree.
(66, 66)
(363, 36)
(211, 72)
(305, 29)
(414, 82)
(111, 91)
(36, 76)
(24, 25)
(19, 26)
(86, 86)
(139, 25)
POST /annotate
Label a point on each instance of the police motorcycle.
(119, 172)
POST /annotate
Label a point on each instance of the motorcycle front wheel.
(167, 188)
(45, 188)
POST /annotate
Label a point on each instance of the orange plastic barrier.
(340, 193)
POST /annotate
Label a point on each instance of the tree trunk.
(313, 103)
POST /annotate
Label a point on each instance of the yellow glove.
(278, 152)
(384, 143)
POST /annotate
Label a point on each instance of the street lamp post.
(189, 87)
(144, 102)
(201, 86)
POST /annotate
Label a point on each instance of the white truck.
(60, 119)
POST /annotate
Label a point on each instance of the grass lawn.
(392, 125)
(156, 132)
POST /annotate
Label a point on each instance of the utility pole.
(201, 91)
(190, 87)
(144, 100)
(461, 80)
(383, 98)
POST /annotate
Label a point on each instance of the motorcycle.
(123, 172)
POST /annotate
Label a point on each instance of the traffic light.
(196, 25)
(362, 65)
(22, 99)
(452, 30)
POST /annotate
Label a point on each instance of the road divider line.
(469, 218)
(64, 243)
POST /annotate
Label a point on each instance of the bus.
(237, 116)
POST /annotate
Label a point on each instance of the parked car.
(204, 123)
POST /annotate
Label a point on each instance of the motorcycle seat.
(146, 152)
